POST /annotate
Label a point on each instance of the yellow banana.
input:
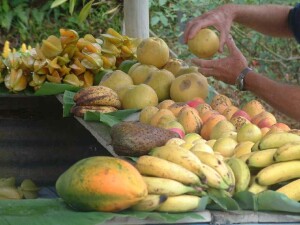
(180, 156)
(218, 165)
(82, 109)
(164, 186)
(260, 159)
(243, 148)
(97, 95)
(241, 173)
(213, 178)
(157, 167)
(149, 203)
(278, 172)
(277, 139)
(245, 157)
(256, 188)
(291, 190)
(287, 152)
(180, 203)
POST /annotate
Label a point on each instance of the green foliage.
(31, 21)
(273, 57)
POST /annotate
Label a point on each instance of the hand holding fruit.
(221, 18)
(225, 69)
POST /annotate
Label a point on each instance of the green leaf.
(55, 211)
(246, 200)
(154, 20)
(275, 201)
(220, 201)
(164, 20)
(57, 3)
(68, 103)
(72, 6)
(99, 76)
(85, 11)
(162, 2)
(53, 89)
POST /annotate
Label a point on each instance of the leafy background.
(31, 21)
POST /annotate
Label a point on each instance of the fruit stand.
(112, 130)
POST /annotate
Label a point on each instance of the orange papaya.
(101, 183)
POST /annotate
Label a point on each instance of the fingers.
(193, 27)
(231, 44)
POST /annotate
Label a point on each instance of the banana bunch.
(177, 178)
(274, 164)
(95, 99)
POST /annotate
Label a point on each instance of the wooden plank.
(232, 217)
(136, 18)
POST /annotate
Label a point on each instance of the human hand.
(225, 69)
(221, 18)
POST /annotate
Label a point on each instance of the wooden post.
(136, 18)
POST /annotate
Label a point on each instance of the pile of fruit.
(186, 147)
(66, 59)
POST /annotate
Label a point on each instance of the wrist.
(240, 80)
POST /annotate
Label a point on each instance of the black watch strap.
(240, 80)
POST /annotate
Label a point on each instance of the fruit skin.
(164, 186)
(153, 51)
(139, 97)
(255, 188)
(202, 108)
(116, 79)
(220, 128)
(165, 104)
(261, 159)
(147, 113)
(253, 108)
(243, 148)
(229, 111)
(176, 107)
(218, 165)
(180, 156)
(241, 173)
(101, 183)
(157, 167)
(159, 114)
(190, 120)
(278, 172)
(97, 95)
(135, 138)
(160, 81)
(239, 121)
(225, 146)
(208, 125)
(174, 65)
(291, 190)
(140, 72)
(276, 140)
(249, 132)
(220, 102)
(205, 43)
(188, 86)
(287, 152)
(149, 203)
(80, 110)
(180, 203)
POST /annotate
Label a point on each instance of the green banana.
(164, 186)
(260, 159)
(180, 203)
(276, 140)
(241, 173)
(278, 172)
(149, 203)
(157, 167)
(287, 152)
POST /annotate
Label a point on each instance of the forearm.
(283, 97)
(267, 19)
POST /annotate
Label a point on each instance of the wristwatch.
(240, 80)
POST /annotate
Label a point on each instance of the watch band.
(240, 80)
